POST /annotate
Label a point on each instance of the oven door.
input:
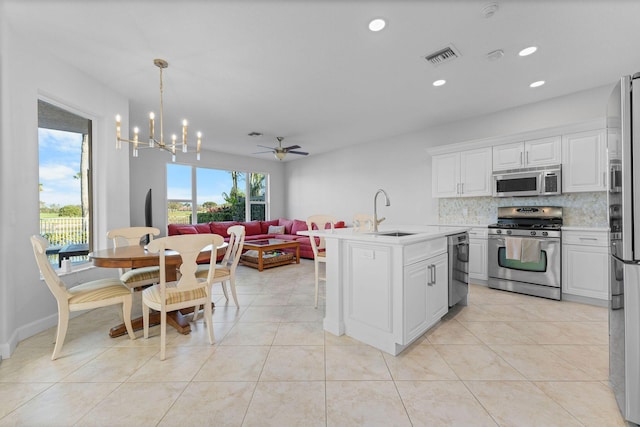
(545, 272)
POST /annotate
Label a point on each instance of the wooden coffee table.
(268, 247)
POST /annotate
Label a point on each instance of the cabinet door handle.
(429, 275)
(462, 188)
(433, 271)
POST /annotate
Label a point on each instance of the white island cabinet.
(386, 291)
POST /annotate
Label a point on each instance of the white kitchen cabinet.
(584, 161)
(478, 243)
(462, 174)
(426, 295)
(370, 286)
(438, 290)
(585, 263)
(532, 153)
(393, 293)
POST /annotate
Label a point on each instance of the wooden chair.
(318, 243)
(128, 236)
(188, 291)
(362, 223)
(94, 294)
(226, 270)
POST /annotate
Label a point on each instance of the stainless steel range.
(525, 251)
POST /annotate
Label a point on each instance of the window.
(257, 196)
(64, 147)
(214, 195)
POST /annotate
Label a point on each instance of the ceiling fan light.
(280, 155)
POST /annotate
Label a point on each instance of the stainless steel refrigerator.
(623, 141)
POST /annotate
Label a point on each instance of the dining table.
(136, 256)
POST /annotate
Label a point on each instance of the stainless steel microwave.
(544, 181)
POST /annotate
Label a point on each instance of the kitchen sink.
(394, 233)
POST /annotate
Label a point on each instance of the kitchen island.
(387, 288)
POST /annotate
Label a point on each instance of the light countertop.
(583, 228)
(420, 232)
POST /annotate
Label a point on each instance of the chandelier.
(153, 142)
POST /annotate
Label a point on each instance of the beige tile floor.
(506, 359)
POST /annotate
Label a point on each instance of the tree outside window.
(214, 195)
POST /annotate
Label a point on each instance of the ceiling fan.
(281, 152)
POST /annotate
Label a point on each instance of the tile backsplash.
(579, 209)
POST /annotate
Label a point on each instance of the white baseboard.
(585, 300)
(26, 331)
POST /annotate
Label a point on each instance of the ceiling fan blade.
(264, 146)
(293, 147)
(263, 152)
(298, 152)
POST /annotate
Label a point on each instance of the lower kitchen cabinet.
(585, 264)
(438, 290)
(478, 254)
(393, 293)
(426, 297)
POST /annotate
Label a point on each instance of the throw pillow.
(252, 228)
(287, 224)
(187, 230)
(298, 225)
(264, 225)
(276, 229)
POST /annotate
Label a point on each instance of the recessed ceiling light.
(527, 51)
(439, 82)
(537, 84)
(377, 24)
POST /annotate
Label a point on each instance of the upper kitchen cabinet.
(462, 174)
(584, 165)
(533, 153)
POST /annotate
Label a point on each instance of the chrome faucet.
(377, 221)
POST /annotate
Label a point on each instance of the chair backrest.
(363, 222)
(188, 246)
(234, 250)
(129, 236)
(53, 281)
(320, 221)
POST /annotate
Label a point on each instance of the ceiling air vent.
(441, 56)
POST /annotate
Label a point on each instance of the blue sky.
(59, 162)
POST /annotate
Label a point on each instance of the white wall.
(148, 171)
(344, 182)
(26, 305)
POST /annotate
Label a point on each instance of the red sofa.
(254, 230)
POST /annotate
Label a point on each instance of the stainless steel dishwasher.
(458, 246)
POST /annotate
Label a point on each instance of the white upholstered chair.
(318, 244)
(226, 270)
(129, 236)
(189, 290)
(94, 294)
